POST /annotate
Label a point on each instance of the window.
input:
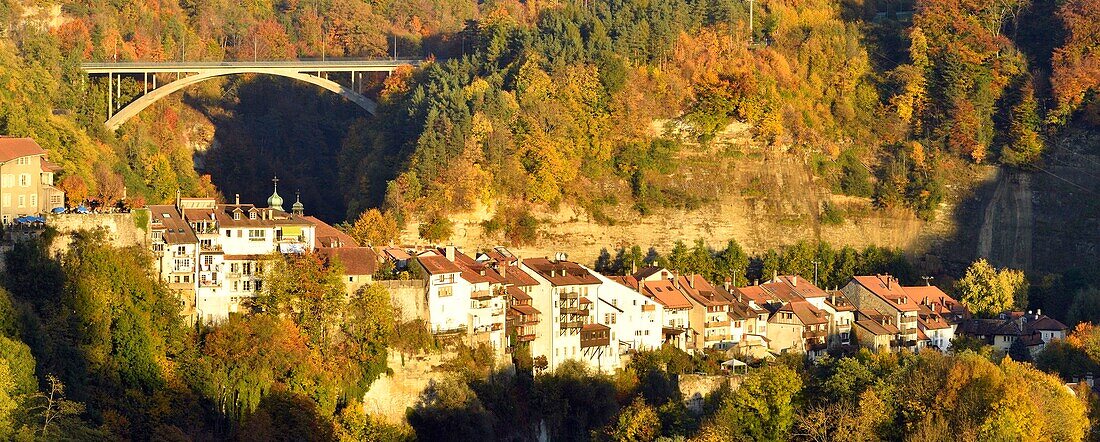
(257, 285)
(257, 235)
(236, 285)
(248, 286)
(34, 200)
(234, 267)
(182, 264)
(207, 260)
(8, 180)
(228, 233)
(22, 201)
(251, 215)
(445, 291)
(7, 200)
(246, 268)
(24, 180)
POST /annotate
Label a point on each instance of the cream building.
(26, 180)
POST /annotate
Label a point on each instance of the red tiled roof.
(666, 294)
(526, 309)
(435, 264)
(397, 253)
(753, 293)
(12, 148)
(702, 292)
(801, 287)
(561, 273)
(518, 294)
(176, 230)
(356, 260)
(888, 289)
(595, 327)
(627, 281)
(47, 166)
(329, 236)
(806, 312)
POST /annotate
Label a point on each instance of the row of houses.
(214, 255)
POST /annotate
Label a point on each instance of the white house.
(448, 294)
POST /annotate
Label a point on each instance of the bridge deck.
(289, 65)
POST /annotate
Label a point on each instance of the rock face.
(761, 203)
(122, 229)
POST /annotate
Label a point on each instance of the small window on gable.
(166, 215)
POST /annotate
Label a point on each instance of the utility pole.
(750, 22)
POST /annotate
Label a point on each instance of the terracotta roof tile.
(356, 260)
(12, 148)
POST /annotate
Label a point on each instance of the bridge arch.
(138, 105)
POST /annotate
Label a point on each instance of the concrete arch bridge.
(189, 73)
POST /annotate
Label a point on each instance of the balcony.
(569, 295)
(207, 283)
(596, 338)
(233, 275)
(574, 311)
(179, 253)
(528, 320)
(211, 247)
(525, 338)
(497, 312)
(572, 324)
(713, 324)
(717, 337)
(814, 334)
(184, 269)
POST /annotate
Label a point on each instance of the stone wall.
(410, 299)
(122, 229)
(695, 387)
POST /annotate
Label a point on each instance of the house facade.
(26, 180)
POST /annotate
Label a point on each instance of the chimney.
(1038, 312)
(727, 284)
(794, 280)
(832, 299)
(503, 270)
(449, 252)
(775, 275)
(691, 281)
(237, 199)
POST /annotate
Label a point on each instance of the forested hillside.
(550, 102)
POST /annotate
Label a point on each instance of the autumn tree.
(636, 423)
(762, 408)
(374, 228)
(306, 290)
(1025, 143)
(987, 291)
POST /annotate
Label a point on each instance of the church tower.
(275, 201)
(298, 208)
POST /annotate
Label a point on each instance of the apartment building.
(26, 180)
(214, 254)
(634, 317)
(658, 284)
(710, 308)
(885, 296)
(447, 293)
(565, 292)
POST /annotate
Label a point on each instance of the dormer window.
(237, 215)
(251, 215)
